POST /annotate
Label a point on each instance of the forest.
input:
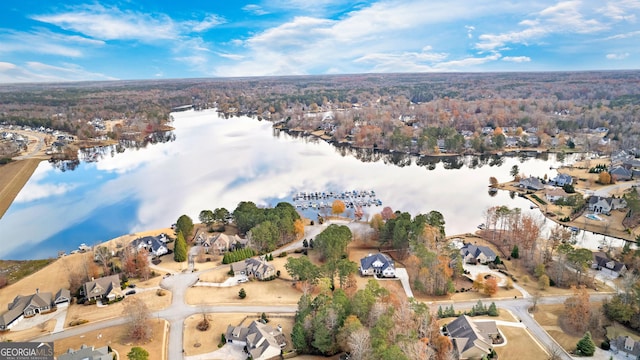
(425, 114)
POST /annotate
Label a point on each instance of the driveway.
(227, 352)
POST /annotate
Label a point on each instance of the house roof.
(467, 334)
(556, 192)
(258, 336)
(627, 344)
(257, 266)
(16, 308)
(378, 260)
(62, 295)
(476, 250)
(603, 261)
(153, 243)
(596, 199)
(87, 353)
(102, 286)
(532, 183)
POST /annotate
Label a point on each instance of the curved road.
(178, 311)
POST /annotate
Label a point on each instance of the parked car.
(132, 285)
(130, 292)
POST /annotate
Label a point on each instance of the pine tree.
(493, 310)
(180, 249)
(515, 253)
(242, 294)
(586, 346)
(440, 312)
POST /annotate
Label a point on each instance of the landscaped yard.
(275, 292)
(93, 313)
(208, 340)
(548, 318)
(116, 338)
(520, 345)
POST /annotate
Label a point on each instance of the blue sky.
(44, 41)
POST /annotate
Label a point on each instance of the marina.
(324, 200)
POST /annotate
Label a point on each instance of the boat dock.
(321, 200)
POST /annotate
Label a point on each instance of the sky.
(50, 41)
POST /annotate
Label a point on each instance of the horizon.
(81, 41)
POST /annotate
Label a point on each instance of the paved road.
(519, 308)
(178, 311)
(38, 147)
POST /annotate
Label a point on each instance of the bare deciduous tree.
(139, 316)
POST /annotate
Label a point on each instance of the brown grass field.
(548, 316)
(198, 342)
(13, 177)
(520, 345)
(116, 338)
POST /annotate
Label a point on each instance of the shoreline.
(13, 177)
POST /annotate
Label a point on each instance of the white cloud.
(371, 38)
(623, 36)
(112, 23)
(34, 71)
(42, 41)
(517, 59)
(561, 18)
(209, 22)
(255, 9)
(620, 10)
(620, 56)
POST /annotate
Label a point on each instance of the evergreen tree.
(180, 249)
(586, 346)
(493, 310)
(242, 294)
(515, 252)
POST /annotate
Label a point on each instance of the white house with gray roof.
(87, 353)
(262, 341)
(470, 339)
(378, 264)
(472, 254)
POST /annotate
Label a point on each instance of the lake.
(209, 162)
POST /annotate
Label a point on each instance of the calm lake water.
(213, 162)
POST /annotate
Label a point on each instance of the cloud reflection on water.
(219, 162)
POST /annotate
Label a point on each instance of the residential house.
(62, 298)
(624, 345)
(607, 266)
(88, 353)
(154, 244)
(472, 340)
(378, 264)
(262, 340)
(555, 194)
(257, 268)
(472, 254)
(620, 173)
(603, 205)
(531, 183)
(562, 180)
(105, 288)
(30, 305)
(220, 243)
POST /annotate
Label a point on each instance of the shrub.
(282, 254)
(605, 345)
(160, 292)
(242, 294)
(78, 322)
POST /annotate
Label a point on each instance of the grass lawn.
(198, 342)
(617, 329)
(520, 345)
(207, 340)
(275, 292)
(13, 176)
(116, 338)
(93, 313)
(548, 317)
